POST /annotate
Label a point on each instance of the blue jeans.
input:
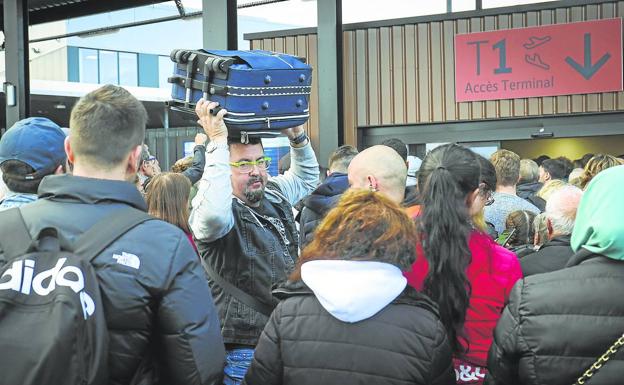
(237, 362)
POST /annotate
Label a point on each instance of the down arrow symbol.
(588, 70)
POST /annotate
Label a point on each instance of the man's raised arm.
(303, 175)
(211, 217)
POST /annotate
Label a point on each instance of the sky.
(302, 13)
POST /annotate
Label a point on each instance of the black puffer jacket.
(163, 309)
(404, 343)
(557, 324)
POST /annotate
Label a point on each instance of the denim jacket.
(14, 199)
(248, 249)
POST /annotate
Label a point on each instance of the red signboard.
(560, 59)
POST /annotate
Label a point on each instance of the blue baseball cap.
(38, 142)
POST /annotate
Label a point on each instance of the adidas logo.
(21, 278)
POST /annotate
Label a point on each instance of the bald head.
(561, 210)
(380, 168)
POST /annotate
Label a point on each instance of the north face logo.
(128, 259)
(21, 278)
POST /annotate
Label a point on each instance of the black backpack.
(52, 325)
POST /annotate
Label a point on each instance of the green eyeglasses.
(245, 166)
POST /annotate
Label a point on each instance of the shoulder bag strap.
(238, 293)
(108, 230)
(600, 361)
(15, 239)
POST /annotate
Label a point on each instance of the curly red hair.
(364, 226)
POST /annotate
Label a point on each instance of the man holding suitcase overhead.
(244, 228)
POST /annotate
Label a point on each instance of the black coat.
(163, 309)
(404, 343)
(557, 324)
(318, 203)
(525, 190)
(553, 255)
(523, 250)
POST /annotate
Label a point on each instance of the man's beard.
(254, 196)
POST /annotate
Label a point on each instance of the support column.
(17, 85)
(220, 27)
(330, 78)
(167, 158)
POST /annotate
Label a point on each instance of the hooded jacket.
(525, 190)
(161, 310)
(352, 322)
(318, 203)
(558, 324)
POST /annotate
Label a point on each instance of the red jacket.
(492, 273)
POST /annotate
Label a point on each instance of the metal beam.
(83, 8)
(330, 77)
(167, 159)
(220, 27)
(17, 85)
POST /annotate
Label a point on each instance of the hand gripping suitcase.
(264, 92)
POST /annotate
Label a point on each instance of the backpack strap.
(15, 239)
(237, 293)
(108, 230)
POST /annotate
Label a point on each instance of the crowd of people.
(455, 270)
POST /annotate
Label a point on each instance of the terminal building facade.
(399, 78)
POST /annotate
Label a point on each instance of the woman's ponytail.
(449, 173)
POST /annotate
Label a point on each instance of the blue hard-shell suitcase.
(263, 92)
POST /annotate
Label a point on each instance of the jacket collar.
(561, 240)
(70, 188)
(335, 184)
(581, 256)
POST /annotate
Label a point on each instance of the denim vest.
(254, 257)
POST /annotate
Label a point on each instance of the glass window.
(88, 65)
(506, 3)
(128, 69)
(463, 5)
(165, 70)
(108, 67)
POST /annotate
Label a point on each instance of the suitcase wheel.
(180, 56)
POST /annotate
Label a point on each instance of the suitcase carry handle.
(188, 110)
(215, 111)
